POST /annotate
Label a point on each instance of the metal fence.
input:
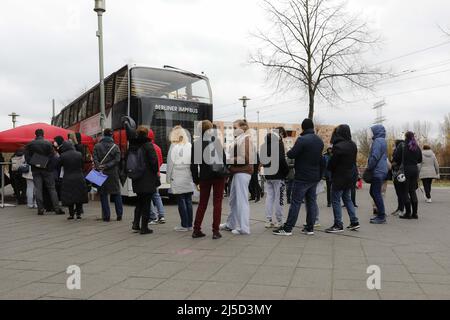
(445, 173)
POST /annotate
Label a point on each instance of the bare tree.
(363, 142)
(421, 130)
(317, 46)
(445, 151)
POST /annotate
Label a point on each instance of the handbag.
(399, 175)
(24, 168)
(220, 169)
(39, 161)
(368, 174)
(96, 177)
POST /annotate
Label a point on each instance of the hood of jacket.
(19, 153)
(342, 133)
(66, 146)
(378, 131)
(428, 153)
(307, 131)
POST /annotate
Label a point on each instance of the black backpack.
(135, 164)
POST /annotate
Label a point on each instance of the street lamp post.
(257, 131)
(244, 100)
(14, 118)
(100, 9)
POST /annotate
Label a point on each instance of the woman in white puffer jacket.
(429, 170)
(180, 177)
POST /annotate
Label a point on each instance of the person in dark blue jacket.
(309, 170)
(378, 165)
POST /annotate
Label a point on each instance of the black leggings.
(427, 186)
(142, 210)
(399, 190)
(409, 195)
(76, 208)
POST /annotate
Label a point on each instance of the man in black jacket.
(341, 166)
(309, 169)
(41, 175)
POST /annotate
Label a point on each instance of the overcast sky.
(49, 50)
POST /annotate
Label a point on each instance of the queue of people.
(58, 172)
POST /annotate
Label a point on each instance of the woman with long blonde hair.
(179, 175)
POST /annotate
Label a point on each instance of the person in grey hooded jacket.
(377, 164)
(429, 170)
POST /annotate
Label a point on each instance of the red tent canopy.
(13, 139)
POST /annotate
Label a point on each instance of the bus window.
(66, 115)
(57, 120)
(109, 92)
(82, 110)
(147, 82)
(121, 92)
(74, 113)
(96, 101)
(90, 109)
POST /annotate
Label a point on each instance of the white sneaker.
(429, 200)
(153, 222)
(268, 224)
(181, 229)
(239, 232)
(190, 229)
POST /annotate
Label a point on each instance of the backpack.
(135, 164)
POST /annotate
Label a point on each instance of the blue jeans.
(375, 193)
(302, 190)
(106, 211)
(336, 196)
(156, 202)
(185, 209)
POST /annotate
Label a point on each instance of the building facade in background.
(260, 130)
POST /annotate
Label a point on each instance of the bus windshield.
(167, 84)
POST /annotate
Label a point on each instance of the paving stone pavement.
(414, 257)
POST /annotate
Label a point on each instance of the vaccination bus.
(159, 98)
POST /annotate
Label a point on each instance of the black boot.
(144, 225)
(136, 226)
(407, 215)
(415, 206)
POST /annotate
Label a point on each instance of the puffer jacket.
(343, 160)
(429, 168)
(179, 169)
(377, 162)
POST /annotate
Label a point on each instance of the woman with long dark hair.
(408, 155)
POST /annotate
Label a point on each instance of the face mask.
(237, 132)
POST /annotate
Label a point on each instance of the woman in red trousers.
(208, 168)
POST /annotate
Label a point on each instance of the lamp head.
(99, 6)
